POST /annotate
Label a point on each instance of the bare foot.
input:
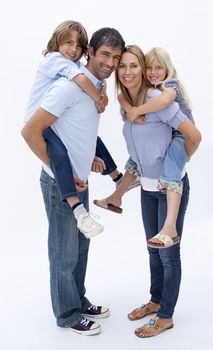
(168, 231)
(154, 327)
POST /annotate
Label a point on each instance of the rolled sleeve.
(172, 115)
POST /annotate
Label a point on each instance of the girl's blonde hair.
(166, 62)
(145, 85)
(62, 33)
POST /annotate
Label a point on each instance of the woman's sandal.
(151, 329)
(164, 241)
(141, 312)
(102, 203)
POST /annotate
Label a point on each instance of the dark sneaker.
(86, 327)
(97, 311)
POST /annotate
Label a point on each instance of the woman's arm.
(192, 136)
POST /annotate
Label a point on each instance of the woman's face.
(155, 72)
(129, 71)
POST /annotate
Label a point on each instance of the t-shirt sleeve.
(58, 98)
(55, 66)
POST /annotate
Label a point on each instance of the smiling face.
(70, 48)
(104, 61)
(155, 72)
(130, 72)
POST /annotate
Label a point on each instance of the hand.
(140, 119)
(102, 103)
(132, 114)
(98, 165)
(80, 184)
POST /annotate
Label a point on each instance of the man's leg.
(68, 260)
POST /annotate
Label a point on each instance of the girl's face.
(71, 49)
(129, 71)
(155, 72)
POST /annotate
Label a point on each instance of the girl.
(160, 73)
(147, 145)
(66, 46)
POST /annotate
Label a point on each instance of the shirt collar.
(98, 83)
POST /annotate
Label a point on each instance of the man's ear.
(90, 52)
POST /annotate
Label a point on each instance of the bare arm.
(192, 136)
(32, 132)
(86, 85)
(155, 104)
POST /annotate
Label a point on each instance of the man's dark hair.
(108, 37)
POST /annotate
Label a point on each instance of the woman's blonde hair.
(62, 33)
(145, 85)
(166, 62)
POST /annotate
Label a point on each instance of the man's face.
(104, 61)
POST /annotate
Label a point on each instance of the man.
(66, 108)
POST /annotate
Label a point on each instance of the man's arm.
(32, 132)
(192, 136)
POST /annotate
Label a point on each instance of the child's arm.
(55, 65)
(101, 104)
(86, 85)
(155, 104)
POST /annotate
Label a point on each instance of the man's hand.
(98, 165)
(80, 184)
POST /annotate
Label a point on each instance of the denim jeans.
(61, 167)
(60, 164)
(175, 159)
(165, 264)
(103, 153)
(68, 252)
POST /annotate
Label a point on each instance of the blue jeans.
(174, 161)
(61, 167)
(68, 252)
(165, 264)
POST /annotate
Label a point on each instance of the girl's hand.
(140, 119)
(132, 113)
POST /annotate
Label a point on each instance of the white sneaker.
(88, 226)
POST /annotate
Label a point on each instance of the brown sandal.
(141, 312)
(151, 329)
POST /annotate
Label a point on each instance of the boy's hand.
(102, 103)
(98, 165)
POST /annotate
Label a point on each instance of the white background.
(118, 265)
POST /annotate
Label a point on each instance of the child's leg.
(115, 199)
(170, 182)
(61, 167)
(111, 168)
(62, 170)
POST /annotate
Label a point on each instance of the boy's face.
(71, 49)
(104, 61)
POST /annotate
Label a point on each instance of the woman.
(147, 145)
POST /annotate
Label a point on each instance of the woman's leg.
(169, 263)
